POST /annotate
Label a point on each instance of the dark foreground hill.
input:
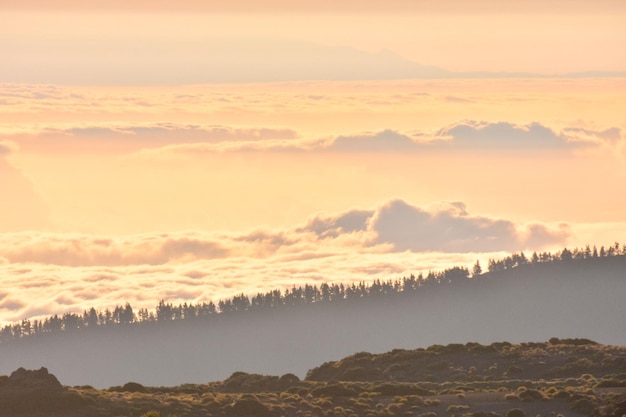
(473, 362)
(532, 302)
(457, 385)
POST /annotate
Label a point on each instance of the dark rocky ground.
(459, 384)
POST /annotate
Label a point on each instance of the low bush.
(515, 412)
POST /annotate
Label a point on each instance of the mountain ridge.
(575, 298)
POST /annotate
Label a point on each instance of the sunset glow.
(195, 152)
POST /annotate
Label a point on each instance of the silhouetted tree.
(477, 270)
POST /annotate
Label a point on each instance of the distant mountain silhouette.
(574, 294)
(248, 61)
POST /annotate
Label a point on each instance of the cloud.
(385, 141)
(39, 290)
(450, 228)
(611, 136)
(135, 137)
(467, 135)
(326, 226)
(52, 273)
(395, 226)
(501, 135)
(128, 138)
(275, 146)
(441, 227)
(88, 250)
(474, 135)
(178, 133)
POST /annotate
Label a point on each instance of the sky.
(192, 151)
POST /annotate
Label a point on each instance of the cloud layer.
(187, 138)
(48, 273)
(444, 227)
(395, 226)
(450, 228)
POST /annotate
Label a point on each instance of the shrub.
(152, 414)
(514, 370)
(454, 408)
(482, 414)
(583, 406)
(611, 383)
(515, 412)
(288, 379)
(439, 366)
(561, 394)
(248, 406)
(530, 394)
(387, 388)
(335, 390)
(395, 408)
(133, 387)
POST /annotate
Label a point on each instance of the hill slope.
(575, 299)
(473, 362)
(462, 389)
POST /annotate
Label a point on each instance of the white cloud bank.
(395, 226)
(48, 273)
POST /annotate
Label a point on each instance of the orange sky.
(166, 144)
(219, 41)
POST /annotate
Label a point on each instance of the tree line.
(290, 297)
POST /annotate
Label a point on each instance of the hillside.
(573, 298)
(458, 388)
(473, 362)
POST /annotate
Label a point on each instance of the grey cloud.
(540, 235)
(192, 139)
(502, 135)
(11, 305)
(395, 226)
(387, 140)
(195, 274)
(177, 133)
(452, 229)
(329, 226)
(85, 250)
(447, 227)
(179, 248)
(266, 242)
(35, 92)
(611, 135)
(477, 135)
(455, 99)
